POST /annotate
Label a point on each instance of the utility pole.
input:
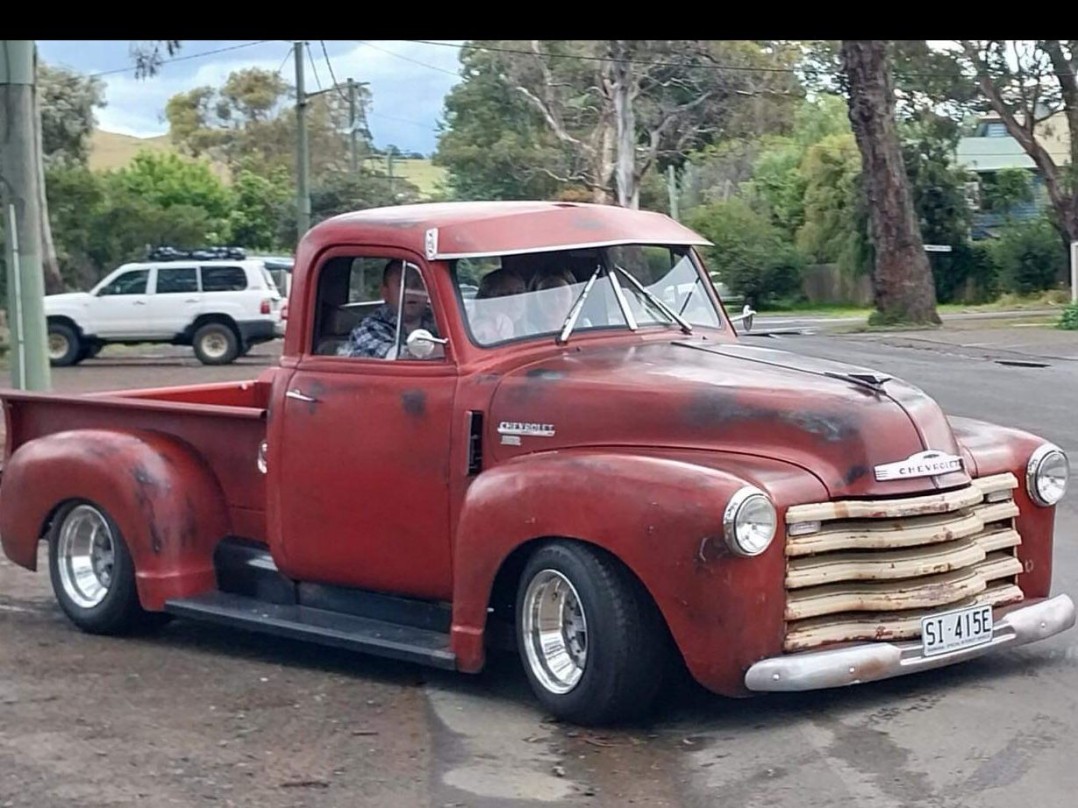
(352, 123)
(303, 191)
(19, 175)
(389, 167)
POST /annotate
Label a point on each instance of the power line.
(409, 58)
(586, 58)
(715, 66)
(310, 58)
(426, 126)
(332, 75)
(284, 61)
(182, 58)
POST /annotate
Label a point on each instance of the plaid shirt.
(377, 334)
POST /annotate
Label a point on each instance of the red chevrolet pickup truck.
(535, 422)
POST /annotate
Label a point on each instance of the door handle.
(191, 300)
(300, 396)
(139, 302)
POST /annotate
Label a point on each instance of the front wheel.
(65, 347)
(93, 575)
(590, 638)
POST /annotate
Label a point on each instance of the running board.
(364, 634)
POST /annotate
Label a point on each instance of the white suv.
(221, 307)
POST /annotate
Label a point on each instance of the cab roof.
(448, 230)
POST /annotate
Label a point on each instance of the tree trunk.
(904, 287)
(625, 122)
(54, 283)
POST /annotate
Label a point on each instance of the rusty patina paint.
(651, 433)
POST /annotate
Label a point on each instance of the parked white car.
(222, 308)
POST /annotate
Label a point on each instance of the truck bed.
(223, 422)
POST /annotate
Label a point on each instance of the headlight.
(749, 522)
(1046, 475)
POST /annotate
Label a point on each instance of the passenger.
(552, 297)
(498, 321)
(376, 336)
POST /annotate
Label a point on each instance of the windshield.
(513, 297)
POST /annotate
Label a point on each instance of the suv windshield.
(631, 287)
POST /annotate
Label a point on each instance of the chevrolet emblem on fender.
(921, 464)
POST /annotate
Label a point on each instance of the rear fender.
(662, 516)
(162, 495)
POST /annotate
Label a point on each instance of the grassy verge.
(1008, 302)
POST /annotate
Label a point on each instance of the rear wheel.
(591, 640)
(92, 573)
(216, 344)
(65, 347)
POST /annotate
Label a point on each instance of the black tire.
(626, 647)
(119, 610)
(65, 347)
(216, 344)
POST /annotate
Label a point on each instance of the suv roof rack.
(200, 254)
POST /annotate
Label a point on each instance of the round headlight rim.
(729, 519)
(1033, 467)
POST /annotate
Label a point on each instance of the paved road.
(202, 716)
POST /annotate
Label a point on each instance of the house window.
(996, 129)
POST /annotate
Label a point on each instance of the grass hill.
(111, 150)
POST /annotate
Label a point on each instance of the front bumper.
(871, 662)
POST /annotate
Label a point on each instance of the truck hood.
(834, 420)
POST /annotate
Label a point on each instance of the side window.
(223, 279)
(129, 283)
(356, 314)
(176, 280)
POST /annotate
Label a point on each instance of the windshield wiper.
(574, 313)
(655, 301)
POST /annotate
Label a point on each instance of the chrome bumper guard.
(871, 662)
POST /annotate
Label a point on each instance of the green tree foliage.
(836, 222)
(494, 144)
(1030, 255)
(750, 254)
(1004, 189)
(67, 100)
(167, 180)
(541, 118)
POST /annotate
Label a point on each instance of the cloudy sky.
(408, 79)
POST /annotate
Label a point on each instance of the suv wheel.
(64, 345)
(216, 344)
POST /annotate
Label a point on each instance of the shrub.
(1030, 256)
(749, 253)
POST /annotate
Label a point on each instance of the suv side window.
(223, 279)
(176, 280)
(129, 283)
(356, 309)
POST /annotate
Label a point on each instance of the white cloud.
(406, 96)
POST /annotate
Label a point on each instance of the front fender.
(994, 450)
(162, 495)
(662, 516)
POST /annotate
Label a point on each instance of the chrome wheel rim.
(214, 345)
(57, 346)
(86, 555)
(555, 632)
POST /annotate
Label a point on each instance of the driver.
(376, 336)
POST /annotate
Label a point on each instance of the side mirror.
(747, 313)
(421, 343)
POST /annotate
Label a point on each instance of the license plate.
(952, 631)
